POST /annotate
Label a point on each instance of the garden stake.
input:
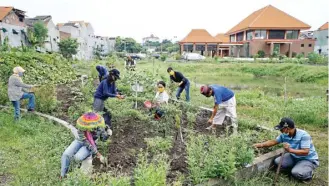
(278, 169)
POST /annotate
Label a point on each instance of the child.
(161, 98)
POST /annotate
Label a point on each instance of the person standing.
(183, 83)
(300, 152)
(225, 105)
(17, 91)
(106, 89)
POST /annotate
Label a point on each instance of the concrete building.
(321, 40)
(12, 26)
(270, 30)
(151, 38)
(51, 42)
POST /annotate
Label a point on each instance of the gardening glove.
(101, 159)
(109, 132)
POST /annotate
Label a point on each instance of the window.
(249, 35)
(21, 19)
(292, 34)
(200, 47)
(54, 39)
(302, 45)
(232, 38)
(239, 36)
(260, 34)
(309, 45)
(15, 32)
(276, 34)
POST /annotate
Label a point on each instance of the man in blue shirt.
(102, 72)
(225, 105)
(301, 155)
(105, 90)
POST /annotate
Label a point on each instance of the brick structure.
(270, 30)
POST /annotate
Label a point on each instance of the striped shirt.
(301, 140)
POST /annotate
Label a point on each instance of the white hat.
(18, 69)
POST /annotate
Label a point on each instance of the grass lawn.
(31, 150)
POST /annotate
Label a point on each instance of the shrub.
(317, 58)
(46, 101)
(261, 54)
(293, 54)
(178, 56)
(299, 56)
(163, 57)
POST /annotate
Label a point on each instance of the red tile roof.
(269, 17)
(324, 27)
(64, 35)
(222, 38)
(199, 36)
(4, 11)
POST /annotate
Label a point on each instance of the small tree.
(68, 47)
(37, 34)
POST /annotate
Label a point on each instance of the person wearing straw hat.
(90, 127)
(225, 105)
(300, 155)
(17, 90)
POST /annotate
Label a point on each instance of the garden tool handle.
(279, 167)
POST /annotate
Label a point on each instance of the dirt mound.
(125, 144)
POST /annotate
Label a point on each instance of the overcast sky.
(166, 18)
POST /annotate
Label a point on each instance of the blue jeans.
(76, 149)
(187, 91)
(17, 104)
(301, 169)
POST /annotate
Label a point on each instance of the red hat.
(204, 90)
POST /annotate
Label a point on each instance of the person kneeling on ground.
(106, 89)
(102, 72)
(17, 91)
(225, 105)
(90, 128)
(161, 98)
(300, 152)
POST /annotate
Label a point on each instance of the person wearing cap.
(90, 128)
(102, 72)
(17, 90)
(300, 155)
(183, 83)
(106, 89)
(225, 105)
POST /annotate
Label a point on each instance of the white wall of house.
(15, 40)
(53, 37)
(321, 43)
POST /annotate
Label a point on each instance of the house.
(270, 30)
(200, 41)
(51, 42)
(150, 38)
(321, 40)
(12, 26)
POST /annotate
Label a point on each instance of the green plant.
(261, 54)
(158, 144)
(40, 32)
(153, 173)
(178, 56)
(46, 99)
(299, 56)
(68, 47)
(163, 57)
